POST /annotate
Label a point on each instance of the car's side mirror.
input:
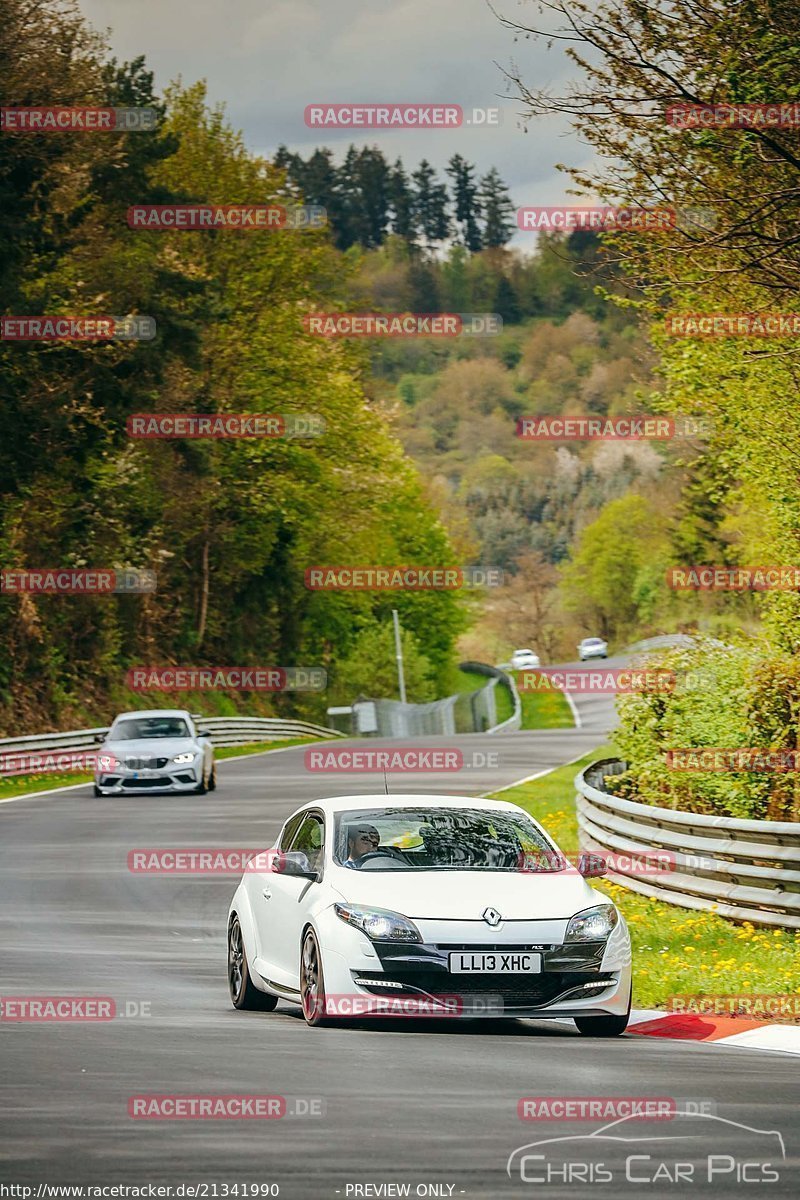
(294, 862)
(592, 866)
(99, 738)
(203, 733)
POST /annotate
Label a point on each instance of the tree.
(466, 203)
(402, 204)
(613, 563)
(430, 204)
(505, 301)
(498, 211)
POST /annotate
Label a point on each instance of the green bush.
(726, 697)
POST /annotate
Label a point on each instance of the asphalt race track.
(408, 1104)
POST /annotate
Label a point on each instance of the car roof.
(333, 804)
(154, 712)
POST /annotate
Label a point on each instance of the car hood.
(150, 747)
(464, 895)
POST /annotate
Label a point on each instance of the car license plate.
(500, 962)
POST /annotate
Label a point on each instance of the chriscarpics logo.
(697, 1149)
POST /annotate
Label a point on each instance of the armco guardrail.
(745, 870)
(225, 731)
(500, 676)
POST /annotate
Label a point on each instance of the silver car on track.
(158, 750)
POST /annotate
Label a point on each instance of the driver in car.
(361, 840)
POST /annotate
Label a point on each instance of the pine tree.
(430, 204)
(402, 203)
(466, 203)
(498, 211)
(372, 177)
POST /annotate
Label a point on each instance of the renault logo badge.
(491, 916)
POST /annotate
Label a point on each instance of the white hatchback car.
(427, 906)
(592, 647)
(524, 660)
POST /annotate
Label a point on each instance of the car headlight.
(379, 924)
(185, 758)
(593, 924)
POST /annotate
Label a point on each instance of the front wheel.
(244, 993)
(604, 1027)
(97, 791)
(312, 981)
(212, 779)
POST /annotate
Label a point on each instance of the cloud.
(268, 59)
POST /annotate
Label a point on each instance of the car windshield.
(592, 641)
(132, 729)
(439, 839)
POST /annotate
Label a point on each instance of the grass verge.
(22, 785)
(676, 951)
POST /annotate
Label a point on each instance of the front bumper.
(182, 777)
(577, 979)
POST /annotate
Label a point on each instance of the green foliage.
(726, 698)
(371, 668)
(229, 526)
(617, 568)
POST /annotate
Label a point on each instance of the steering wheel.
(384, 852)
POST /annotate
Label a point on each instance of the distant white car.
(593, 647)
(523, 660)
(427, 906)
(157, 750)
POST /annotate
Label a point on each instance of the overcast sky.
(268, 59)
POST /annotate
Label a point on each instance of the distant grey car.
(158, 750)
(593, 647)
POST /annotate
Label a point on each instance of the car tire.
(212, 779)
(604, 1027)
(97, 791)
(244, 993)
(201, 788)
(312, 981)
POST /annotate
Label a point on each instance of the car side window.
(289, 830)
(309, 839)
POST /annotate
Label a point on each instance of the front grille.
(522, 991)
(165, 781)
(146, 764)
(493, 948)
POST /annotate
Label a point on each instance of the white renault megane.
(427, 906)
